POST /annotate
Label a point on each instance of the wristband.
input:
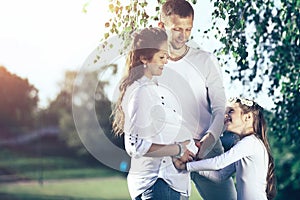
(181, 152)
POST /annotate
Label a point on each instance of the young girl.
(250, 158)
(148, 115)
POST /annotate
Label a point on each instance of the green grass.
(59, 175)
(114, 188)
(51, 167)
(99, 188)
(71, 173)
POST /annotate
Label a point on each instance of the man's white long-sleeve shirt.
(196, 81)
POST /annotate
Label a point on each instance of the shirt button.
(132, 144)
(174, 110)
(162, 97)
(162, 103)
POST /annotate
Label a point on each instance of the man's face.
(178, 30)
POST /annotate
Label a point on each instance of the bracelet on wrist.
(181, 152)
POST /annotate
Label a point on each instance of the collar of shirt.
(145, 80)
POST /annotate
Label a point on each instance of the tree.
(262, 37)
(274, 39)
(91, 114)
(60, 110)
(62, 103)
(18, 102)
(59, 113)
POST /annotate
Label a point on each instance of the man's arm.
(207, 143)
(217, 98)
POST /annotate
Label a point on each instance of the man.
(195, 78)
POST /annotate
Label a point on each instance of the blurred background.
(44, 48)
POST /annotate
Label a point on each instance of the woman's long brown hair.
(145, 44)
(260, 130)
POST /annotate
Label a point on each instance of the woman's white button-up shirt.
(153, 115)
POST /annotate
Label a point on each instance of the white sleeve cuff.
(188, 167)
(136, 147)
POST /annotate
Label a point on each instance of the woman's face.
(234, 119)
(156, 64)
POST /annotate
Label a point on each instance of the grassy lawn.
(51, 167)
(98, 188)
(114, 188)
(49, 173)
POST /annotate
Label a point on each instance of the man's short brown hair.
(182, 8)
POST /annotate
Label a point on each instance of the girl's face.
(235, 120)
(156, 64)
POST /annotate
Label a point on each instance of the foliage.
(93, 99)
(287, 168)
(274, 39)
(60, 110)
(271, 31)
(132, 15)
(62, 103)
(127, 18)
(18, 101)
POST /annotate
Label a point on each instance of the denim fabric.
(162, 190)
(228, 140)
(147, 195)
(213, 191)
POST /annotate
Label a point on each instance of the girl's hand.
(179, 164)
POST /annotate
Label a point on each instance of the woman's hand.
(180, 163)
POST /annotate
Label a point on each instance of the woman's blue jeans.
(160, 191)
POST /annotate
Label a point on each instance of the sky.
(41, 39)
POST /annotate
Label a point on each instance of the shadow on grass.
(20, 196)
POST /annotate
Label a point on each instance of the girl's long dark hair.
(145, 44)
(260, 130)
